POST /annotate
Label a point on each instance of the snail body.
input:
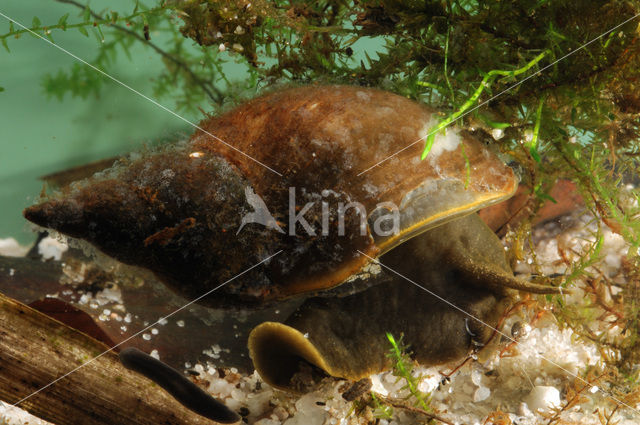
(416, 304)
(200, 213)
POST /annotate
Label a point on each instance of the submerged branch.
(36, 350)
(400, 404)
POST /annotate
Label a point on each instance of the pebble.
(9, 247)
(267, 422)
(543, 398)
(51, 248)
(481, 394)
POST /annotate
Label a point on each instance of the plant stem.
(403, 371)
(402, 405)
(486, 82)
(533, 145)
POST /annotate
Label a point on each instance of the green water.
(41, 135)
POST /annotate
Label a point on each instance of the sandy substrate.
(526, 382)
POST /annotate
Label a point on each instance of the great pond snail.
(283, 173)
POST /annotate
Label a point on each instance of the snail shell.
(177, 211)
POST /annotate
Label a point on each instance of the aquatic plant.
(403, 369)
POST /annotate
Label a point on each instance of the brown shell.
(319, 140)
(327, 138)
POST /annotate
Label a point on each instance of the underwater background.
(43, 133)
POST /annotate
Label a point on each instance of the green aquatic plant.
(189, 77)
(403, 367)
(486, 82)
(381, 410)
